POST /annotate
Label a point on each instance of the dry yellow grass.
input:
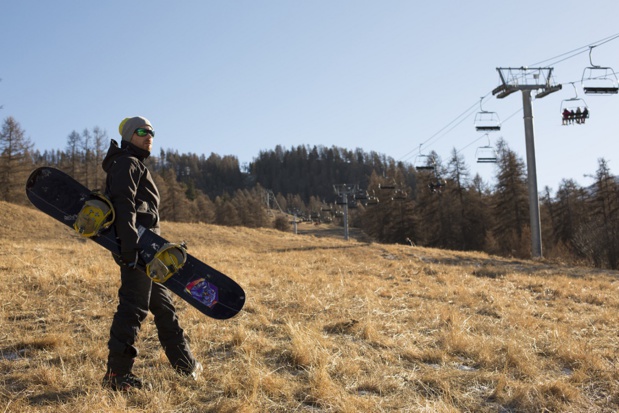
(329, 326)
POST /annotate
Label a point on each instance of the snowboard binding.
(96, 216)
(168, 260)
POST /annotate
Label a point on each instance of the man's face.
(143, 142)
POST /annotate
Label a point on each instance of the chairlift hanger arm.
(590, 60)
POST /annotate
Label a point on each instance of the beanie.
(128, 126)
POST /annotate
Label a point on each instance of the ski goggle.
(141, 132)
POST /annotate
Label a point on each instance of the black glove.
(131, 259)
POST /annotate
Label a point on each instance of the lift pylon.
(526, 80)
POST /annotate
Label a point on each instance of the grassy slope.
(329, 326)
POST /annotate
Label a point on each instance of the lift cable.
(463, 116)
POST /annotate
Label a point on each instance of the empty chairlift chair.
(387, 186)
(599, 80)
(486, 121)
(424, 162)
(486, 154)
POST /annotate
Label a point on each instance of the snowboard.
(208, 290)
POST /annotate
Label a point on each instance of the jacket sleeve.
(123, 180)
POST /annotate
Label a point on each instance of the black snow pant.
(137, 295)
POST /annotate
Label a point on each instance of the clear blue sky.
(237, 77)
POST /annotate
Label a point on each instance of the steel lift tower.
(526, 80)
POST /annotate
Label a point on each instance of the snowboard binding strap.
(168, 260)
(96, 215)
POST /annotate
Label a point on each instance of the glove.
(131, 259)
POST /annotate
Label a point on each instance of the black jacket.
(133, 193)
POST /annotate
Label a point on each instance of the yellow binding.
(96, 215)
(168, 260)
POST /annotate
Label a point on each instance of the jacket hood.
(116, 151)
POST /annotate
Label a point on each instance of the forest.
(441, 206)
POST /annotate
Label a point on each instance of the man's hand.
(131, 259)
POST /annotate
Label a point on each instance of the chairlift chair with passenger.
(599, 80)
(361, 195)
(437, 186)
(574, 110)
(399, 195)
(342, 199)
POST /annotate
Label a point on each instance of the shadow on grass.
(59, 397)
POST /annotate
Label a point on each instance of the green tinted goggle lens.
(141, 132)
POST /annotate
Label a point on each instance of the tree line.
(393, 202)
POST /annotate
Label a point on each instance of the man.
(134, 195)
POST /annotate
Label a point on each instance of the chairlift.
(574, 110)
(386, 187)
(342, 199)
(599, 80)
(424, 162)
(371, 199)
(486, 154)
(361, 195)
(437, 186)
(486, 121)
(399, 195)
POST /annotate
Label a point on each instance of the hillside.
(329, 326)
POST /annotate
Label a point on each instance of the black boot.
(123, 382)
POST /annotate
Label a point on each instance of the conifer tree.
(100, 142)
(456, 193)
(430, 207)
(510, 203)
(74, 155)
(605, 212)
(15, 161)
(568, 212)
